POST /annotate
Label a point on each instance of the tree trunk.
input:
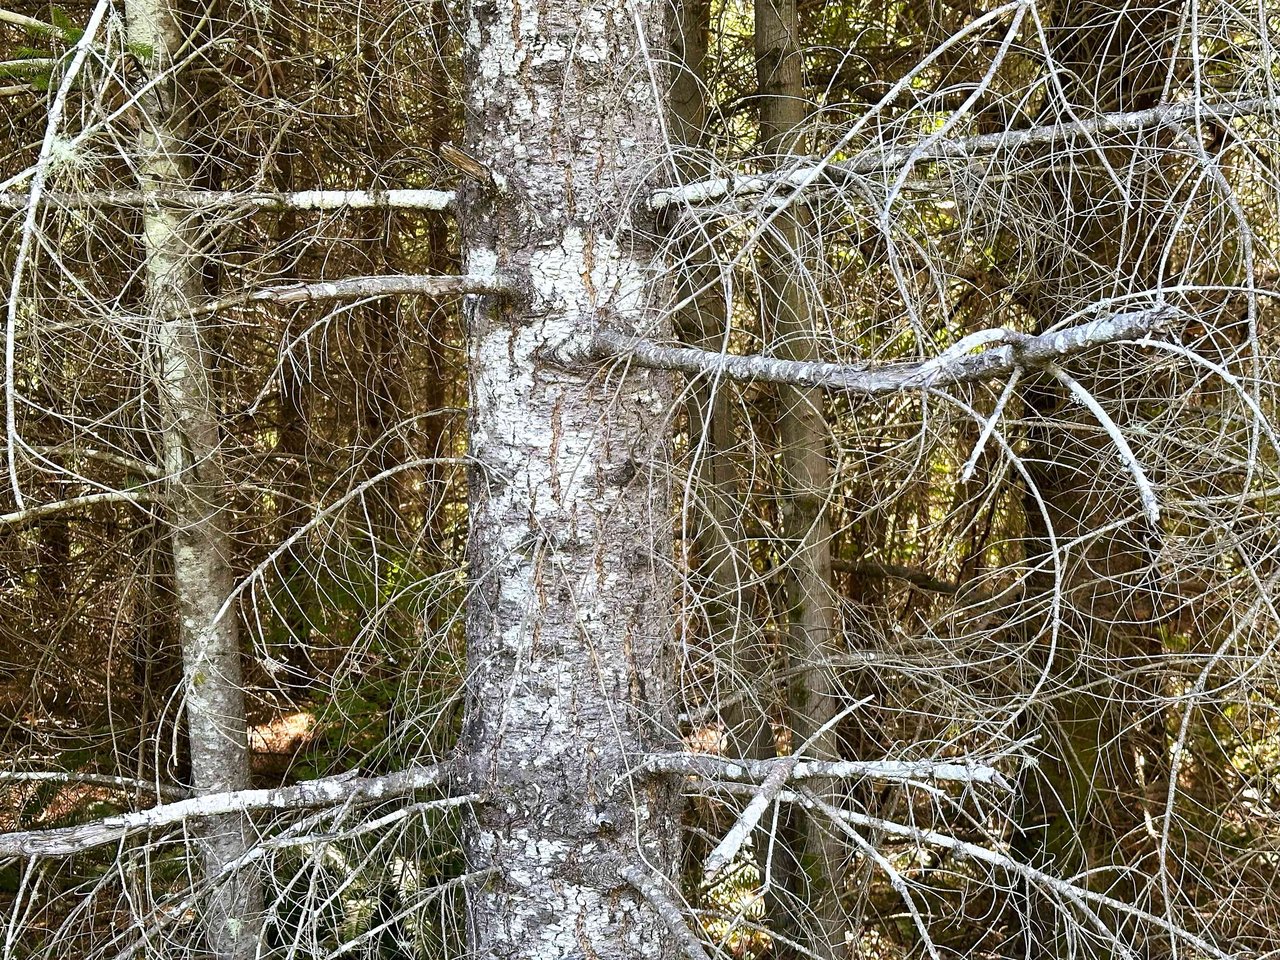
(1080, 810)
(736, 641)
(806, 469)
(570, 641)
(202, 573)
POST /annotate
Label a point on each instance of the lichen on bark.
(570, 638)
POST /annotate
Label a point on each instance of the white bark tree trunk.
(571, 645)
(202, 572)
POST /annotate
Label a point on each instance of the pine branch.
(1002, 352)
(37, 28)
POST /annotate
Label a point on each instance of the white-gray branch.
(359, 288)
(870, 161)
(650, 887)
(231, 200)
(710, 767)
(327, 792)
(42, 510)
(1003, 352)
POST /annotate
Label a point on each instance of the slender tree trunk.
(806, 469)
(1081, 811)
(202, 573)
(720, 539)
(571, 647)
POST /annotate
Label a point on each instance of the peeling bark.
(570, 639)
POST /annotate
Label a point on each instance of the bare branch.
(326, 792)
(105, 456)
(30, 212)
(1066, 889)
(870, 161)
(917, 578)
(710, 767)
(42, 510)
(92, 779)
(249, 201)
(732, 841)
(667, 910)
(1150, 505)
(1017, 351)
(358, 288)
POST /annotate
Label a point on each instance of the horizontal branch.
(710, 767)
(917, 578)
(359, 288)
(327, 792)
(128, 784)
(105, 456)
(40, 511)
(878, 159)
(1002, 352)
(207, 200)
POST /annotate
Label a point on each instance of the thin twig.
(1150, 504)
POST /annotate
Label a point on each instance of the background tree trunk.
(806, 469)
(202, 573)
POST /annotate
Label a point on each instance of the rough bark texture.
(202, 573)
(806, 469)
(569, 633)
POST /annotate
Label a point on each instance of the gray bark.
(570, 639)
(735, 639)
(812, 696)
(202, 572)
